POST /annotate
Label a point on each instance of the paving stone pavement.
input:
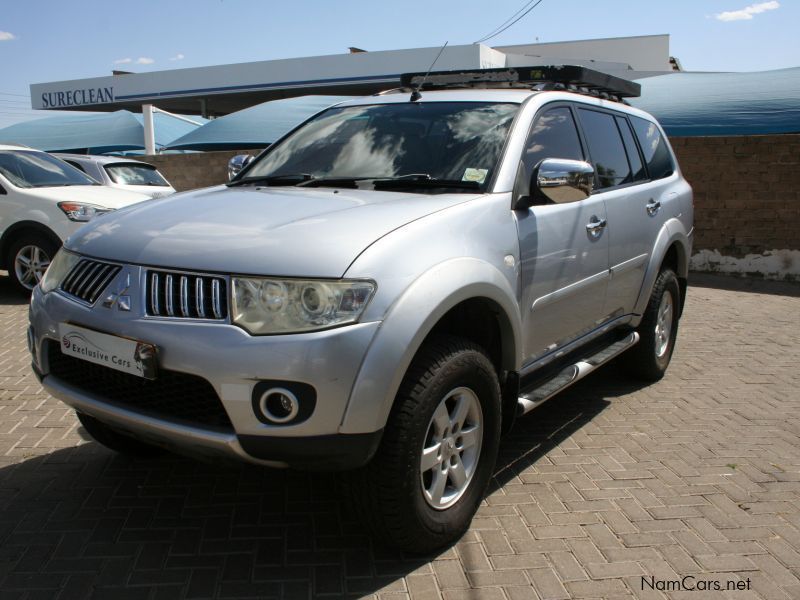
(698, 475)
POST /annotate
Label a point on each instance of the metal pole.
(174, 116)
(149, 132)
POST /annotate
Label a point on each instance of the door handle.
(595, 226)
(653, 207)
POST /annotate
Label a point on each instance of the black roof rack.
(572, 78)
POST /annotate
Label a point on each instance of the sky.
(52, 40)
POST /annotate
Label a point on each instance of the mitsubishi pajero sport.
(382, 291)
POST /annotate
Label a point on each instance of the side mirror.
(237, 163)
(560, 181)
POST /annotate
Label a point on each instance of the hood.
(99, 195)
(289, 231)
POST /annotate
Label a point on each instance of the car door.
(563, 248)
(633, 202)
(10, 201)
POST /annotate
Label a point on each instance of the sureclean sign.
(78, 97)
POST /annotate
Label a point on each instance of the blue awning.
(254, 127)
(703, 104)
(95, 133)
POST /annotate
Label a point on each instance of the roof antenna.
(415, 95)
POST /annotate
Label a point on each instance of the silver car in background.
(121, 172)
(383, 291)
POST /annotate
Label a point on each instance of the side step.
(542, 391)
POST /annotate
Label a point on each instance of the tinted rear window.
(135, 174)
(654, 147)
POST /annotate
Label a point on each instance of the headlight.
(78, 211)
(268, 306)
(59, 268)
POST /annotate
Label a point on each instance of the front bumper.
(234, 363)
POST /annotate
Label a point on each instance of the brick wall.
(747, 202)
(745, 191)
(191, 171)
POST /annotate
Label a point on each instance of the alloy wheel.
(452, 448)
(30, 264)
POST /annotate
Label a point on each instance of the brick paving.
(698, 475)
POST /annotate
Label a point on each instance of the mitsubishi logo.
(120, 297)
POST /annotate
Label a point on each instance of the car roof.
(102, 160)
(7, 146)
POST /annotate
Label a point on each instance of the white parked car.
(43, 200)
(123, 173)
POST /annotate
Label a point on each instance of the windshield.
(135, 174)
(32, 169)
(415, 144)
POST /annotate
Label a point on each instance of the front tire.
(648, 360)
(29, 258)
(113, 440)
(428, 477)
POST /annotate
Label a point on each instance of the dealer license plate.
(114, 352)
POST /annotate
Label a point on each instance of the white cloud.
(6, 36)
(122, 61)
(178, 56)
(746, 13)
(143, 60)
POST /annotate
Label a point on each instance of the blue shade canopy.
(96, 133)
(702, 104)
(255, 127)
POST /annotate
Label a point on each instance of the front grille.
(172, 396)
(186, 295)
(88, 279)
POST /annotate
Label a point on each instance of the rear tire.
(447, 413)
(116, 441)
(28, 259)
(648, 360)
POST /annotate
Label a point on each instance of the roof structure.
(223, 89)
(702, 104)
(94, 133)
(254, 127)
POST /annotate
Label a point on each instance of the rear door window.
(634, 158)
(654, 147)
(606, 149)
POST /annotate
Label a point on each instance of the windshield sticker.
(477, 175)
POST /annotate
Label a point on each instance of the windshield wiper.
(282, 179)
(351, 181)
(424, 180)
(400, 181)
(331, 181)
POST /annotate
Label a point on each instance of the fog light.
(279, 405)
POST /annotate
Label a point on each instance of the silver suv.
(383, 291)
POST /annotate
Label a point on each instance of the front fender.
(673, 232)
(410, 319)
